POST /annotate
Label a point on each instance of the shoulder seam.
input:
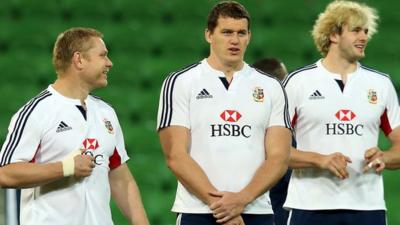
(292, 74)
(375, 71)
(19, 127)
(99, 98)
(168, 88)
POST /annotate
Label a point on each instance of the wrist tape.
(68, 164)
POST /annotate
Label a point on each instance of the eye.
(226, 32)
(243, 33)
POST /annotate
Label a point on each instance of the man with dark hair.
(213, 120)
(271, 66)
(65, 147)
(274, 67)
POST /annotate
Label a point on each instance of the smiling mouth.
(360, 46)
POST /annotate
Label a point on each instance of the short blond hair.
(77, 39)
(340, 13)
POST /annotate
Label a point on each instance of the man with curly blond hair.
(337, 106)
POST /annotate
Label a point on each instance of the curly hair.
(340, 13)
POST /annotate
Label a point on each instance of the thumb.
(82, 151)
(348, 159)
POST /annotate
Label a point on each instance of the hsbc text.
(218, 130)
(98, 159)
(344, 129)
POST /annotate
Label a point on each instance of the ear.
(77, 60)
(207, 35)
(248, 40)
(334, 37)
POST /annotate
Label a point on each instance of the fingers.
(222, 217)
(339, 171)
(374, 160)
(216, 194)
(337, 165)
(376, 164)
(370, 153)
(84, 165)
(238, 220)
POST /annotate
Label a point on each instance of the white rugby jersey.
(327, 120)
(48, 128)
(227, 126)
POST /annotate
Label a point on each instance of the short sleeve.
(119, 155)
(23, 138)
(173, 106)
(390, 118)
(279, 112)
(290, 88)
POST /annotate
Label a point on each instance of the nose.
(234, 39)
(363, 35)
(109, 62)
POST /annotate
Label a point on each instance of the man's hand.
(238, 220)
(84, 165)
(336, 163)
(229, 206)
(374, 159)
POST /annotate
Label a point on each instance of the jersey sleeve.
(119, 156)
(279, 113)
(390, 118)
(290, 88)
(173, 106)
(23, 138)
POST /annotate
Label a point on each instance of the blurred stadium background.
(149, 39)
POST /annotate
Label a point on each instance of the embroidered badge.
(258, 94)
(372, 96)
(108, 126)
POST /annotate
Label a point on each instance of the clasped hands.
(228, 207)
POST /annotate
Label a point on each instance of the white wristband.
(68, 163)
(68, 167)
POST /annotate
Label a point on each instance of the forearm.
(191, 175)
(25, 175)
(302, 159)
(129, 202)
(392, 158)
(266, 176)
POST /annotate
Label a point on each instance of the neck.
(70, 88)
(339, 65)
(226, 67)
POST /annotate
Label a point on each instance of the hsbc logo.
(230, 115)
(229, 129)
(345, 115)
(345, 127)
(90, 145)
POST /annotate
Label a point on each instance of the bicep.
(119, 177)
(278, 141)
(174, 140)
